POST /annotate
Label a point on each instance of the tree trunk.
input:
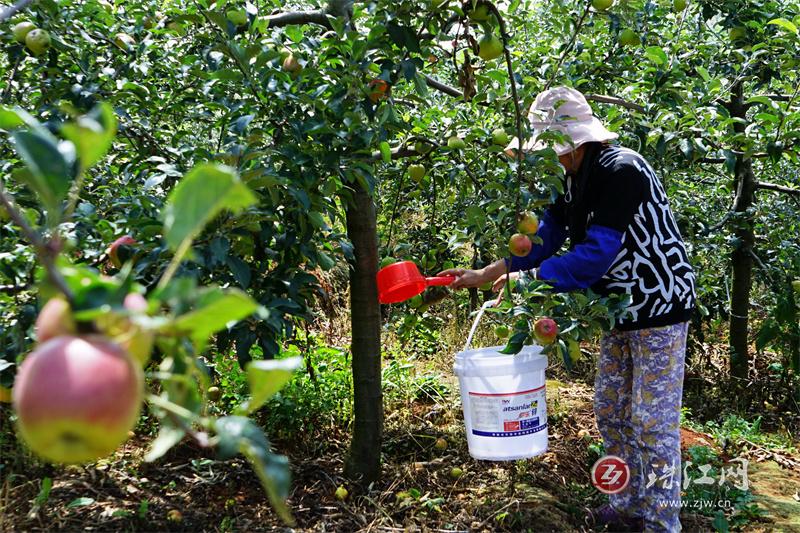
(364, 461)
(741, 257)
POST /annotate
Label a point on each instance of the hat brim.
(580, 133)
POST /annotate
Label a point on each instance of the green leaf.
(15, 118)
(274, 474)
(92, 135)
(515, 343)
(200, 196)
(80, 502)
(720, 522)
(168, 436)
(267, 377)
(386, 152)
(785, 24)
(656, 55)
(49, 164)
(214, 310)
(562, 349)
(238, 434)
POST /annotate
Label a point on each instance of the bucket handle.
(486, 305)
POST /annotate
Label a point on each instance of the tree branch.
(10, 11)
(568, 49)
(299, 17)
(616, 101)
(443, 87)
(778, 188)
(45, 251)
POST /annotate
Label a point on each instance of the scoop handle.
(440, 280)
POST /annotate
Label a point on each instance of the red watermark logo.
(610, 474)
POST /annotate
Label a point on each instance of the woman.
(623, 239)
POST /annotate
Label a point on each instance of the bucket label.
(508, 415)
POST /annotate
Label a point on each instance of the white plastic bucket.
(503, 397)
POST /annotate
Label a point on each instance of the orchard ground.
(189, 490)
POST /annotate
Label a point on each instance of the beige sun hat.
(564, 110)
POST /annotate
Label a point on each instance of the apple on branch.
(520, 245)
(55, 319)
(114, 250)
(76, 398)
(545, 331)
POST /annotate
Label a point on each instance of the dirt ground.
(188, 491)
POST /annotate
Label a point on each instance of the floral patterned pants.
(637, 404)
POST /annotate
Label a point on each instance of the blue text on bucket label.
(508, 414)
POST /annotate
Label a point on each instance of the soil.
(187, 490)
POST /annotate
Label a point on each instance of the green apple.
(456, 472)
(214, 393)
(480, 13)
(502, 332)
(387, 261)
(678, 5)
(575, 351)
(796, 286)
(341, 493)
(237, 16)
(77, 398)
(440, 444)
(490, 47)
(500, 137)
(528, 224)
(456, 143)
(628, 37)
(602, 5)
(737, 32)
(417, 172)
(21, 30)
(37, 41)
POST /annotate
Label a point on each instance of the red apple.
(77, 398)
(528, 224)
(113, 249)
(55, 319)
(519, 245)
(378, 90)
(291, 65)
(545, 331)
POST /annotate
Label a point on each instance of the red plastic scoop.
(400, 281)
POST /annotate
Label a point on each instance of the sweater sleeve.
(553, 235)
(586, 263)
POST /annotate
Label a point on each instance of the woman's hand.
(499, 283)
(465, 278)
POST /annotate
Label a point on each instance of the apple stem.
(46, 251)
